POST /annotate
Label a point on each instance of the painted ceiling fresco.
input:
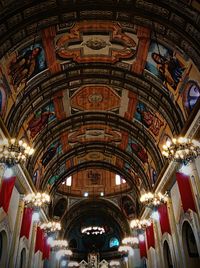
(99, 88)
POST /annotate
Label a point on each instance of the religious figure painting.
(52, 150)
(4, 92)
(40, 119)
(25, 65)
(165, 64)
(148, 118)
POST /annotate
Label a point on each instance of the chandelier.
(51, 226)
(140, 224)
(181, 150)
(59, 244)
(63, 252)
(153, 199)
(114, 263)
(124, 249)
(14, 152)
(93, 230)
(73, 264)
(130, 240)
(36, 199)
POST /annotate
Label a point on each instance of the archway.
(3, 248)
(190, 246)
(167, 256)
(22, 263)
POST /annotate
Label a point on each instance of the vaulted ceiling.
(98, 87)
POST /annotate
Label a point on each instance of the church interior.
(100, 133)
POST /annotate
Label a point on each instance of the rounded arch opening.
(22, 263)
(190, 246)
(167, 255)
(3, 248)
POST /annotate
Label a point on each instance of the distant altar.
(93, 262)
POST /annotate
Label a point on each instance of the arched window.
(23, 258)
(3, 249)
(1, 245)
(190, 246)
(114, 242)
(167, 256)
(193, 95)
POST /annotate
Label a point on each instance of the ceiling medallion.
(95, 98)
(181, 150)
(96, 43)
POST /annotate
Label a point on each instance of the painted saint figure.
(169, 67)
(37, 123)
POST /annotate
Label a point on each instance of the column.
(179, 255)
(2, 170)
(32, 246)
(16, 235)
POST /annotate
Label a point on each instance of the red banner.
(39, 243)
(185, 191)
(164, 219)
(26, 222)
(150, 236)
(143, 250)
(6, 192)
(46, 249)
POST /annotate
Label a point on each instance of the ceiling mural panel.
(96, 41)
(95, 98)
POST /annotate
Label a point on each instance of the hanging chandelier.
(14, 152)
(73, 264)
(130, 240)
(140, 224)
(154, 199)
(51, 226)
(36, 200)
(181, 150)
(59, 244)
(63, 252)
(124, 249)
(114, 263)
(93, 230)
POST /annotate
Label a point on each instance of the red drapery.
(164, 219)
(6, 192)
(46, 249)
(143, 250)
(39, 243)
(185, 191)
(26, 222)
(150, 236)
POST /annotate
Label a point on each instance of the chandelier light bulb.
(182, 150)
